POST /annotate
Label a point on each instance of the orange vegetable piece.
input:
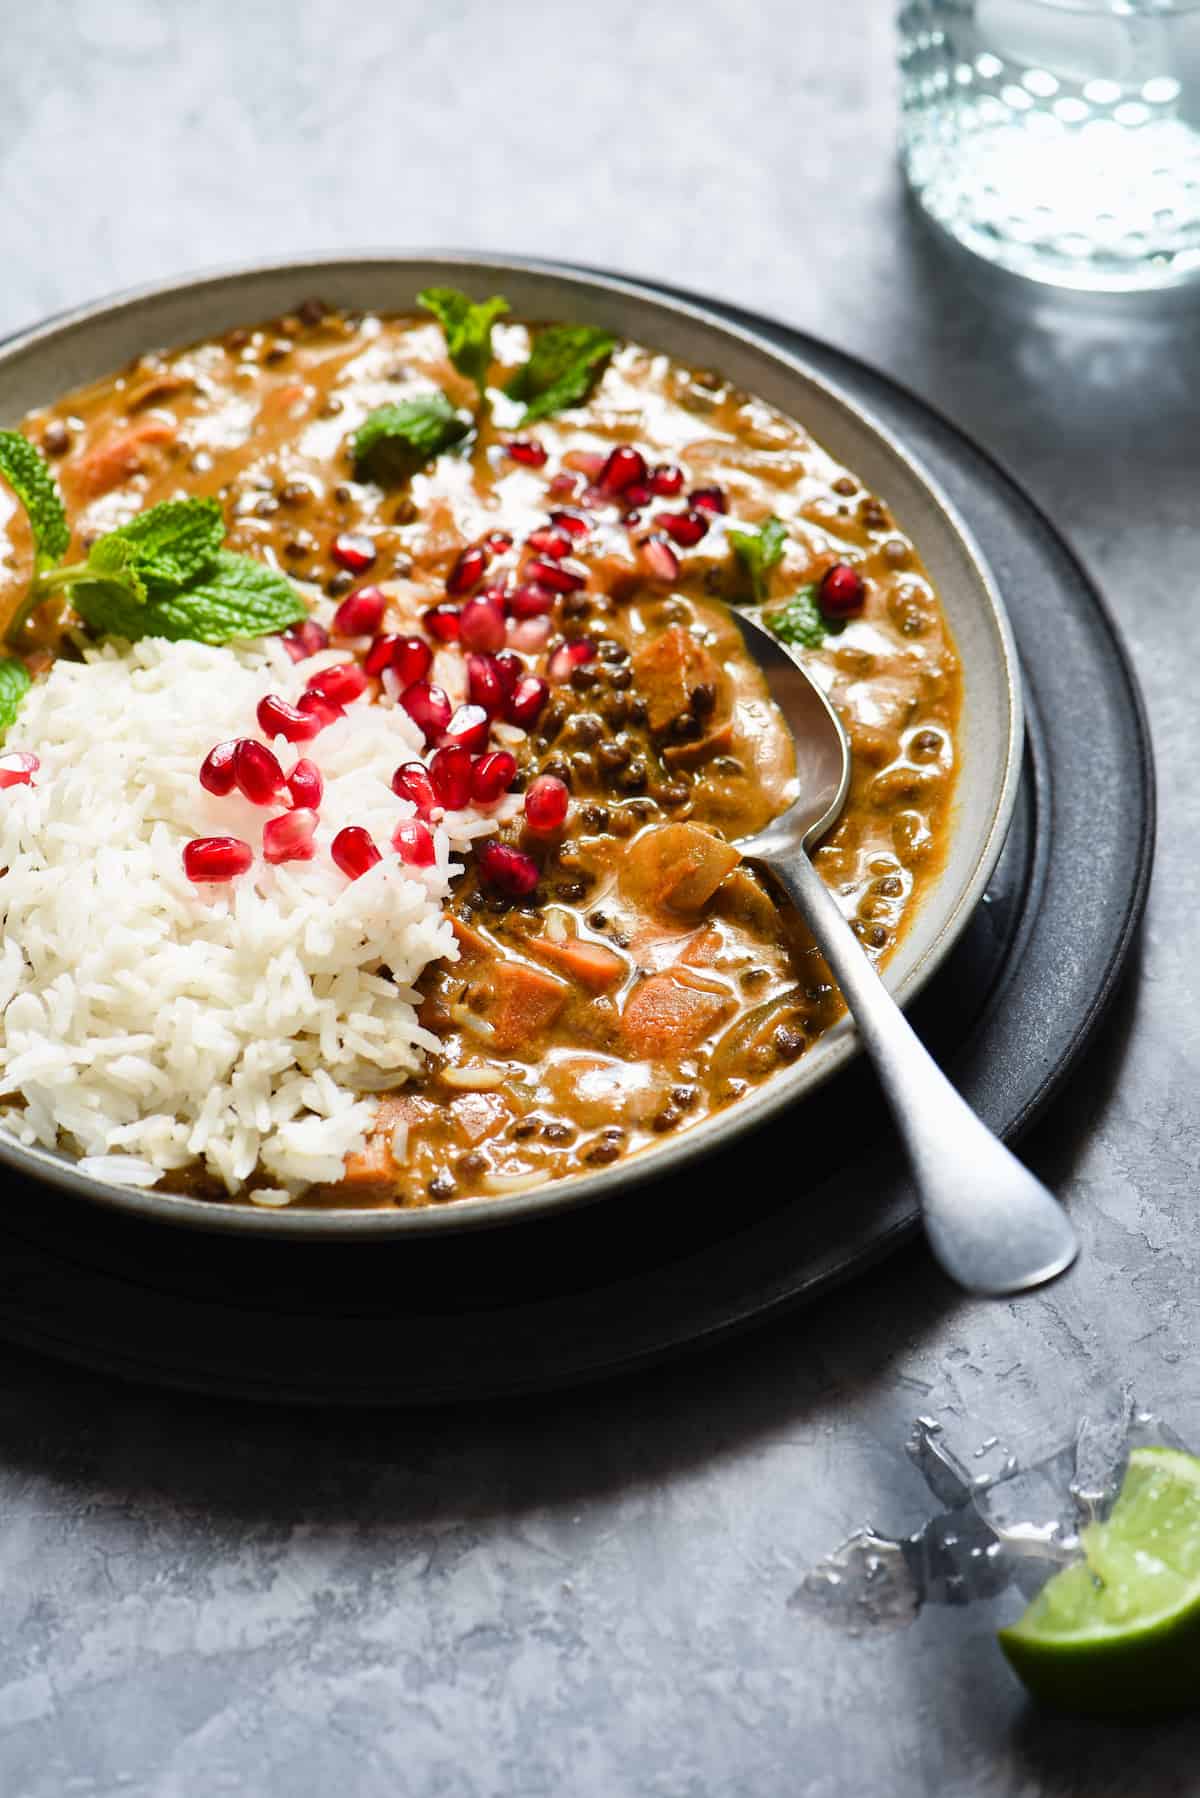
(591, 964)
(667, 1014)
(701, 950)
(375, 1165)
(522, 1003)
(116, 459)
(668, 669)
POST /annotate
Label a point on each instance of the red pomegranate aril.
(571, 523)
(413, 843)
(428, 707)
(666, 480)
(492, 776)
(289, 838)
(256, 771)
(567, 657)
(528, 451)
(360, 613)
(637, 495)
(216, 858)
(707, 499)
(354, 851)
(624, 467)
(342, 683)
(548, 542)
(529, 635)
(546, 805)
(306, 784)
(563, 484)
(305, 639)
(508, 870)
(216, 770)
(531, 600)
(842, 591)
(561, 577)
(468, 729)
(276, 718)
(482, 625)
(510, 668)
(485, 684)
(587, 462)
(411, 781)
(410, 660)
(686, 528)
(443, 622)
(379, 656)
(526, 700)
(352, 551)
(496, 542)
(658, 559)
(18, 767)
(467, 571)
(450, 773)
(319, 706)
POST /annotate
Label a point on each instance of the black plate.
(771, 1221)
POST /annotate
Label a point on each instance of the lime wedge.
(1118, 1633)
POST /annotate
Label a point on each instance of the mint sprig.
(14, 684)
(395, 440)
(800, 621)
(759, 551)
(467, 325)
(237, 597)
(28, 474)
(564, 365)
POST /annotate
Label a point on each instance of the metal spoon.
(992, 1225)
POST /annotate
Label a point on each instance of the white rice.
(148, 1023)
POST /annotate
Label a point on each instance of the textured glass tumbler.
(1060, 138)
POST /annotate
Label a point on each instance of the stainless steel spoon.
(994, 1228)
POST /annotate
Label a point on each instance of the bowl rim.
(716, 1132)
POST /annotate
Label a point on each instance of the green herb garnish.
(564, 365)
(468, 328)
(14, 684)
(394, 441)
(759, 551)
(236, 596)
(799, 621)
(28, 474)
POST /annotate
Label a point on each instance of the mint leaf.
(14, 684)
(800, 621)
(238, 597)
(564, 365)
(467, 325)
(28, 474)
(759, 550)
(166, 546)
(394, 441)
(110, 559)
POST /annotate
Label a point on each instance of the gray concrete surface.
(586, 1595)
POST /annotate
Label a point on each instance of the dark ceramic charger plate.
(776, 1219)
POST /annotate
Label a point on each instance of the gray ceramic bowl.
(42, 363)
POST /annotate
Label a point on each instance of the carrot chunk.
(116, 459)
(591, 964)
(375, 1165)
(669, 1013)
(520, 1003)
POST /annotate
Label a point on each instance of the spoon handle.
(992, 1225)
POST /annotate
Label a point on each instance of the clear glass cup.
(1060, 138)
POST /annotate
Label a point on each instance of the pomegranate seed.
(508, 870)
(379, 656)
(842, 592)
(411, 781)
(562, 577)
(658, 559)
(450, 774)
(442, 622)
(637, 495)
(410, 660)
(276, 718)
(529, 634)
(18, 767)
(531, 600)
(568, 656)
(485, 684)
(468, 729)
(492, 775)
(353, 851)
(321, 707)
(496, 542)
(562, 484)
(666, 480)
(289, 838)
(216, 770)
(588, 462)
(413, 843)
(360, 613)
(708, 499)
(216, 858)
(546, 804)
(256, 771)
(571, 523)
(427, 706)
(546, 542)
(306, 784)
(483, 624)
(305, 639)
(341, 683)
(624, 467)
(510, 669)
(526, 700)
(468, 571)
(528, 451)
(353, 551)
(686, 528)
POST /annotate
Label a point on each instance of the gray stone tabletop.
(588, 1594)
